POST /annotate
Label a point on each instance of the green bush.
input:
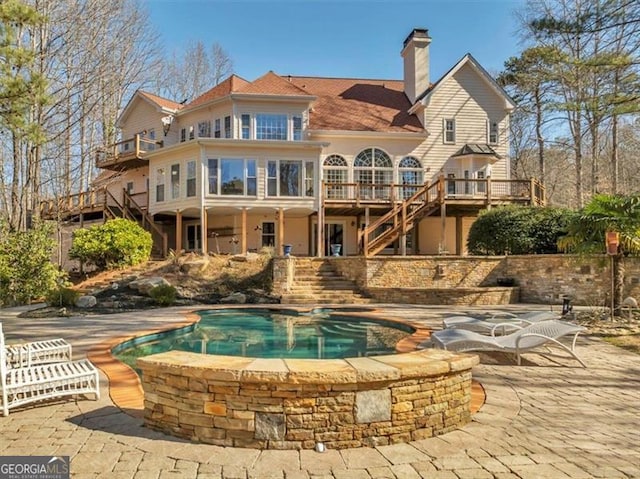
(26, 270)
(115, 244)
(163, 294)
(518, 230)
(62, 296)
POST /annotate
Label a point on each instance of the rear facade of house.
(336, 166)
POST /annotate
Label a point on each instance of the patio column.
(280, 245)
(443, 228)
(320, 226)
(459, 235)
(243, 231)
(178, 231)
(204, 227)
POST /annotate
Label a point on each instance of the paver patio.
(545, 419)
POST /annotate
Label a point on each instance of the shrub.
(62, 296)
(163, 294)
(115, 244)
(26, 270)
(518, 230)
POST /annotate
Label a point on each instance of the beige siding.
(143, 117)
(468, 99)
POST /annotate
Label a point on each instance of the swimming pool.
(265, 333)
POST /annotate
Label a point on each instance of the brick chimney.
(415, 53)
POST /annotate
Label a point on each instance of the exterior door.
(194, 237)
(333, 235)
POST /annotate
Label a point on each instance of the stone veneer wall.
(473, 280)
(293, 404)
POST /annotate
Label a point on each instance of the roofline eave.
(369, 134)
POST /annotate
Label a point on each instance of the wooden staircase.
(316, 282)
(402, 218)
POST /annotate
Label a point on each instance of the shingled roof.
(232, 84)
(272, 84)
(354, 104)
(160, 101)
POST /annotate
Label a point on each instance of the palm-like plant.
(586, 233)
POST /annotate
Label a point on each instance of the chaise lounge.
(526, 339)
(24, 385)
(37, 352)
(503, 322)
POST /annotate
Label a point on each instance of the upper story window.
(245, 125)
(335, 172)
(450, 130)
(216, 128)
(492, 132)
(373, 167)
(227, 127)
(204, 129)
(191, 179)
(410, 173)
(297, 128)
(175, 181)
(191, 132)
(271, 126)
(232, 176)
(160, 184)
(183, 135)
(290, 178)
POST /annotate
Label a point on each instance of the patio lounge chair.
(37, 352)
(502, 323)
(530, 337)
(24, 385)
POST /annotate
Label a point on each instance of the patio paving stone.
(547, 418)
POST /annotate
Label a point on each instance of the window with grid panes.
(175, 181)
(204, 129)
(216, 128)
(245, 121)
(271, 126)
(191, 179)
(227, 127)
(335, 172)
(373, 169)
(410, 173)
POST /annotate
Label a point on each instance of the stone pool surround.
(297, 403)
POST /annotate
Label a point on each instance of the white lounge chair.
(37, 352)
(542, 333)
(24, 385)
(503, 322)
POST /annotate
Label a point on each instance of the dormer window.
(297, 128)
(271, 126)
(245, 124)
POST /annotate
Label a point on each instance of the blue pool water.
(263, 333)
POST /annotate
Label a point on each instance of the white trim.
(444, 131)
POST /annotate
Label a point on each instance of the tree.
(586, 233)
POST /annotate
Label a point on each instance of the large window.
(373, 169)
(268, 233)
(410, 173)
(175, 181)
(271, 126)
(335, 172)
(297, 128)
(191, 179)
(216, 128)
(290, 178)
(232, 176)
(449, 130)
(160, 184)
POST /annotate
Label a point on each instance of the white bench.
(38, 352)
(24, 385)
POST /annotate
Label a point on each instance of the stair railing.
(145, 220)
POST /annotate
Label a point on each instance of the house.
(369, 166)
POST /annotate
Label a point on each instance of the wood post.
(488, 192)
(243, 231)
(178, 231)
(280, 245)
(459, 235)
(204, 227)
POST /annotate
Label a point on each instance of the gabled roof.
(232, 84)
(163, 105)
(465, 60)
(272, 84)
(476, 149)
(354, 104)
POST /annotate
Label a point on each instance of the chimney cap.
(417, 33)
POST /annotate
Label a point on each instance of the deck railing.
(125, 150)
(484, 190)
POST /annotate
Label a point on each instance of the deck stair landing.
(317, 282)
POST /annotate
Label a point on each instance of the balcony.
(471, 194)
(126, 154)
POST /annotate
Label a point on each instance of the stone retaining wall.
(452, 279)
(294, 404)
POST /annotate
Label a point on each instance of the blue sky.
(353, 38)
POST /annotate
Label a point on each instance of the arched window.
(410, 173)
(335, 171)
(373, 169)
